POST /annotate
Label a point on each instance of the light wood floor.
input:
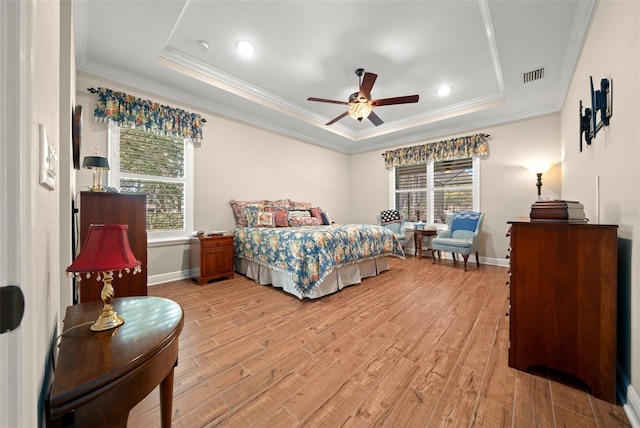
(421, 345)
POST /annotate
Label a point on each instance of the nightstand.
(211, 258)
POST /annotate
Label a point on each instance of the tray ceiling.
(504, 61)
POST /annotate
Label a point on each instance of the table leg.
(417, 238)
(166, 400)
(430, 248)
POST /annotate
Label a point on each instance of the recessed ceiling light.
(444, 90)
(245, 49)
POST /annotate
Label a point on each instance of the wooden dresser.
(211, 258)
(563, 300)
(116, 208)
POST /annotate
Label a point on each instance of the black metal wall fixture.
(11, 307)
(598, 115)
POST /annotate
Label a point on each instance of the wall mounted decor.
(76, 133)
(598, 115)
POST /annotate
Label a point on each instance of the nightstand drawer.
(216, 241)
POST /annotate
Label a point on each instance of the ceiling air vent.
(533, 75)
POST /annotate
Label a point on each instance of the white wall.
(49, 278)
(244, 163)
(612, 50)
(507, 188)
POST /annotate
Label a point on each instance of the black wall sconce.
(598, 115)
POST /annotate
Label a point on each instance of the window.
(429, 191)
(161, 168)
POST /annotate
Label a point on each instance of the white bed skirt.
(336, 280)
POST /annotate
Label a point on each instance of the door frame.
(18, 389)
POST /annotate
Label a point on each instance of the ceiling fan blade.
(337, 118)
(322, 100)
(396, 100)
(367, 84)
(375, 119)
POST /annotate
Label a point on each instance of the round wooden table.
(418, 234)
(101, 376)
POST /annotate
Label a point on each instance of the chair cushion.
(452, 242)
(463, 235)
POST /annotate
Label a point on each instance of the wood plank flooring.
(420, 345)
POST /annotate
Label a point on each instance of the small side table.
(101, 376)
(418, 234)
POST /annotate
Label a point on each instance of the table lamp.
(105, 250)
(97, 164)
(538, 169)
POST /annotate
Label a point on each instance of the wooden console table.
(101, 376)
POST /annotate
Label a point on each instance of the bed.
(313, 261)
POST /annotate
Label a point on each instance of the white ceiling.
(481, 48)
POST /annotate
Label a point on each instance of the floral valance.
(456, 148)
(129, 111)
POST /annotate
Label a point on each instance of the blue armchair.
(394, 220)
(462, 236)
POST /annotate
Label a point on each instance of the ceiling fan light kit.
(360, 110)
(360, 104)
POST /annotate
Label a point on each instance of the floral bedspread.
(308, 254)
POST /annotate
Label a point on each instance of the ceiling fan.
(360, 103)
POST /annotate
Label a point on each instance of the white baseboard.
(629, 399)
(168, 277)
(494, 261)
(409, 251)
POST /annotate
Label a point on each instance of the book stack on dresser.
(557, 210)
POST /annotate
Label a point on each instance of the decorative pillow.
(326, 217)
(299, 213)
(301, 206)
(390, 216)
(303, 221)
(249, 214)
(317, 213)
(282, 203)
(257, 217)
(238, 210)
(281, 215)
(265, 219)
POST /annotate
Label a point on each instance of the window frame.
(113, 145)
(430, 190)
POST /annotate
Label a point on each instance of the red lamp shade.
(105, 249)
